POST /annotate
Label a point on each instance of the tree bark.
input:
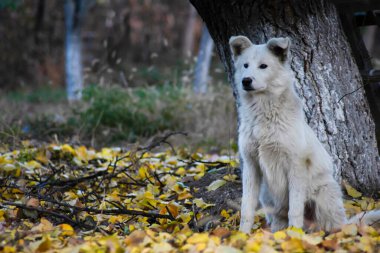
(324, 68)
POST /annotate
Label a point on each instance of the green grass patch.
(43, 94)
(129, 113)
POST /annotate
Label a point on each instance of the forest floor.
(67, 198)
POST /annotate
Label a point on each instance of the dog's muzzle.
(247, 84)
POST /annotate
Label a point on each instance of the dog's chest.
(278, 130)
(274, 164)
(272, 144)
(274, 135)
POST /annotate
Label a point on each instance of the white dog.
(284, 164)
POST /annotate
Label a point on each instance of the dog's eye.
(246, 65)
(263, 66)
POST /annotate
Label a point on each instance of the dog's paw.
(278, 225)
(245, 227)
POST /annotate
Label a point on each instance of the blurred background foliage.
(138, 64)
(137, 39)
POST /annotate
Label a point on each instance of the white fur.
(284, 164)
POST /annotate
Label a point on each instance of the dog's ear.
(238, 44)
(279, 47)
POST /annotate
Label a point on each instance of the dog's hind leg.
(275, 217)
(278, 222)
(329, 209)
(251, 180)
(266, 202)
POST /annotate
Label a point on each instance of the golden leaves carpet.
(62, 198)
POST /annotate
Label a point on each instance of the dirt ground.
(226, 197)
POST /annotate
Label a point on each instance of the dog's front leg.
(297, 199)
(251, 180)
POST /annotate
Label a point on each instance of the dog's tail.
(366, 218)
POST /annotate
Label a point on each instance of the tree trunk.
(202, 67)
(188, 38)
(325, 71)
(74, 10)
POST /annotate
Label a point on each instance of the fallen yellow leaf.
(279, 235)
(351, 191)
(201, 204)
(44, 226)
(9, 249)
(216, 184)
(45, 245)
(135, 238)
(198, 238)
(68, 149)
(67, 230)
(350, 229)
(32, 165)
(293, 245)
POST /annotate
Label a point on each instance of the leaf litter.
(64, 198)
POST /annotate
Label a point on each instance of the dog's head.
(261, 68)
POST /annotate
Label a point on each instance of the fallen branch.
(125, 211)
(89, 210)
(72, 182)
(43, 211)
(159, 140)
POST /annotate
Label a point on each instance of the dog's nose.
(247, 83)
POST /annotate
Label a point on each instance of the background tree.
(325, 71)
(202, 67)
(188, 38)
(74, 15)
(117, 38)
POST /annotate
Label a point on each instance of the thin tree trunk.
(188, 38)
(73, 51)
(325, 71)
(202, 67)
